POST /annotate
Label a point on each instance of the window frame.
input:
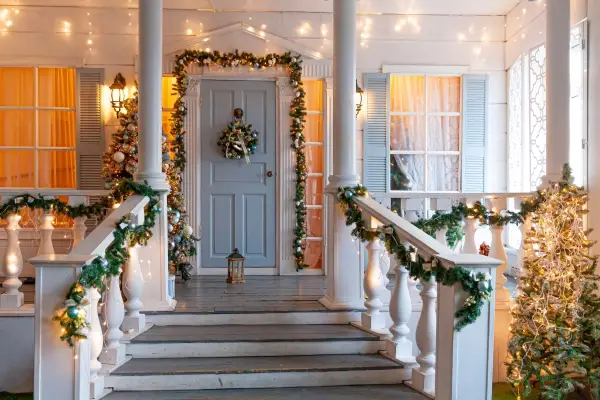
(426, 73)
(36, 109)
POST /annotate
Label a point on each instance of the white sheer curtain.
(425, 130)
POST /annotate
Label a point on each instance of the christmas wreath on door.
(238, 140)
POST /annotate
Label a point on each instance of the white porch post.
(155, 296)
(344, 277)
(558, 22)
(594, 121)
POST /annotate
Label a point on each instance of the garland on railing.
(478, 285)
(72, 316)
(297, 113)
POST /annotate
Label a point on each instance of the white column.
(13, 265)
(156, 296)
(423, 376)
(399, 346)
(373, 319)
(594, 121)
(502, 317)
(558, 22)
(114, 353)
(344, 271)
(150, 93)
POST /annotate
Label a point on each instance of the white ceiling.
(440, 7)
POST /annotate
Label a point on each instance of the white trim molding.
(426, 69)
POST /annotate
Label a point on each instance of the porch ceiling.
(443, 7)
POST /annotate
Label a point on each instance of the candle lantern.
(235, 267)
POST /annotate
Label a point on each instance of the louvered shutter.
(376, 164)
(475, 91)
(90, 129)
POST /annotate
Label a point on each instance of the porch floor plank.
(372, 392)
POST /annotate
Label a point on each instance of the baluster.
(96, 341)
(384, 263)
(423, 377)
(115, 313)
(13, 265)
(133, 286)
(441, 237)
(469, 229)
(398, 346)
(46, 229)
(373, 319)
(79, 228)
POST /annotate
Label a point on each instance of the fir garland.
(72, 316)
(293, 64)
(478, 285)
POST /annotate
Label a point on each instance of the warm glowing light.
(263, 26)
(324, 30)
(261, 33)
(89, 41)
(205, 39)
(250, 29)
(116, 205)
(189, 32)
(461, 37)
(9, 23)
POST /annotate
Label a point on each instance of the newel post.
(466, 358)
(60, 372)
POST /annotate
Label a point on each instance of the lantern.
(358, 97)
(235, 267)
(117, 93)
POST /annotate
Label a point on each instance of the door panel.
(238, 200)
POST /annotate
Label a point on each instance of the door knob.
(269, 174)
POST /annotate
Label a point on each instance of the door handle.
(269, 174)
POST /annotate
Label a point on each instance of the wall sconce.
(117, 93)
(358, 97)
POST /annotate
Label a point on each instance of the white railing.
(29, 233)
(70, 374)
(466, 357)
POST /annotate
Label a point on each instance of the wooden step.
(252, 340)
(283, 317)
(371, 392)
(255, 372)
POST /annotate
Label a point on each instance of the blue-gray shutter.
(376, 160)
(90, 128)
(475, 94)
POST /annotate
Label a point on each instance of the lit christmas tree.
(555, 317)
(121, 162)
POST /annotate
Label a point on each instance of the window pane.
(57, 169)
(407, 172)
(56, 87)
(314, 190)
(17, 128)
(407, 94)
(314, 95)
(57, 129)
(537, 115)
(166, 123)
(314, 159)
(443, 133)
(313, 254)
(313, 128)
(442, 173)
(443, 94)
(314, 223)
(407, 132)
(17, 168)
(168, 93)
(16, 86)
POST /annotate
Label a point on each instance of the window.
(313, 132)
(527, 116)
(38, 133)
(425, 129)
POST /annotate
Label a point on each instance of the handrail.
(97, 241)
(54, 192)
(457, 195)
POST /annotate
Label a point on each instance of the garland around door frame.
(293, 65)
